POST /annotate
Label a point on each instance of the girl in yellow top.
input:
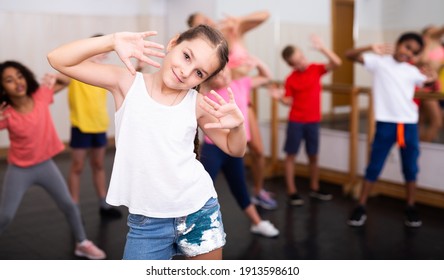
(89, 124)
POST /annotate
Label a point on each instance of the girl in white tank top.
(156, 173)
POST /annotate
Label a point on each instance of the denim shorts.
(162, 238)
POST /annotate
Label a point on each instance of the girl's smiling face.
(189, 63)
(13, 82)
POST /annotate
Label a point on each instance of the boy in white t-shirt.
(396, 114)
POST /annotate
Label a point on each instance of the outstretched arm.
(263, 76)
(72, 59)
(252, 20)
(54, 81)
(333, 59)
(436, 32)
(240, 25)
(356, 54)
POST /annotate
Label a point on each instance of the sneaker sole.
(296, 203)
(323, 198)
(266, 206)
(82, 255)
(413, 224)
(357, 223)
(264, 235)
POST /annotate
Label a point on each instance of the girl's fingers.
(231, 95)
(210, 110)
(149, 61)
(149, 33)
(211, 102)
(150, 52)
(149, 44)
(218, 97)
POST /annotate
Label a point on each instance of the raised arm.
(55, 81)
(333, 59)
(263, 76)
(72, 59)
(356, 54)
(238, 26)
(250, 21)
(436, 32)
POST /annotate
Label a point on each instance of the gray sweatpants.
(46, 174)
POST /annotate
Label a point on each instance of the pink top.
(437, 54)
(238, 56)
(32, 135)
(241, 89)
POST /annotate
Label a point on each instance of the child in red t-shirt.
(303, 94)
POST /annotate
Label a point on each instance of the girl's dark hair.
(212, 36)
(215, 38)
(32, 84)
(411, 36)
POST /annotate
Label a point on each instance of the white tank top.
(155, 172)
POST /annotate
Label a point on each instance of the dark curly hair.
(32, 84)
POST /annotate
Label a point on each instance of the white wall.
(30, 29)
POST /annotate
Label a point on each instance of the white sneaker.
(265, 228)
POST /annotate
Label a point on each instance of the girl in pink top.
(241, 64)
(433, 59)
(24, 112)
(215, 160)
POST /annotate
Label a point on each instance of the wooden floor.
(315, 231)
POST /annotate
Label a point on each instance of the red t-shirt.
(33, 138)
(305, 88)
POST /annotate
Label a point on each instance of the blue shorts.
(162, 238)
(385, 137)
(81, 140)
(296, 132)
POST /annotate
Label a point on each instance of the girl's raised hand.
(49, 80)
(228, 114)
(133, 45)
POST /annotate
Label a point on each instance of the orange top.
(33, 138)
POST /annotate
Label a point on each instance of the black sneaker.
(295, 200)
(358, 217)
(111, 212)
(321, 195)
(412, 218)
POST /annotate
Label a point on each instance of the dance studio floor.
(315, 231)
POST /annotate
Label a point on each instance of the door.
(342, 39)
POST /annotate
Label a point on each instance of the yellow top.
(88, 109)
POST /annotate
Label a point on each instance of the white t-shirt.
(155, 172)
(393, 88)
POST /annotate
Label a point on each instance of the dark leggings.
(214, 159)
(46, 174)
